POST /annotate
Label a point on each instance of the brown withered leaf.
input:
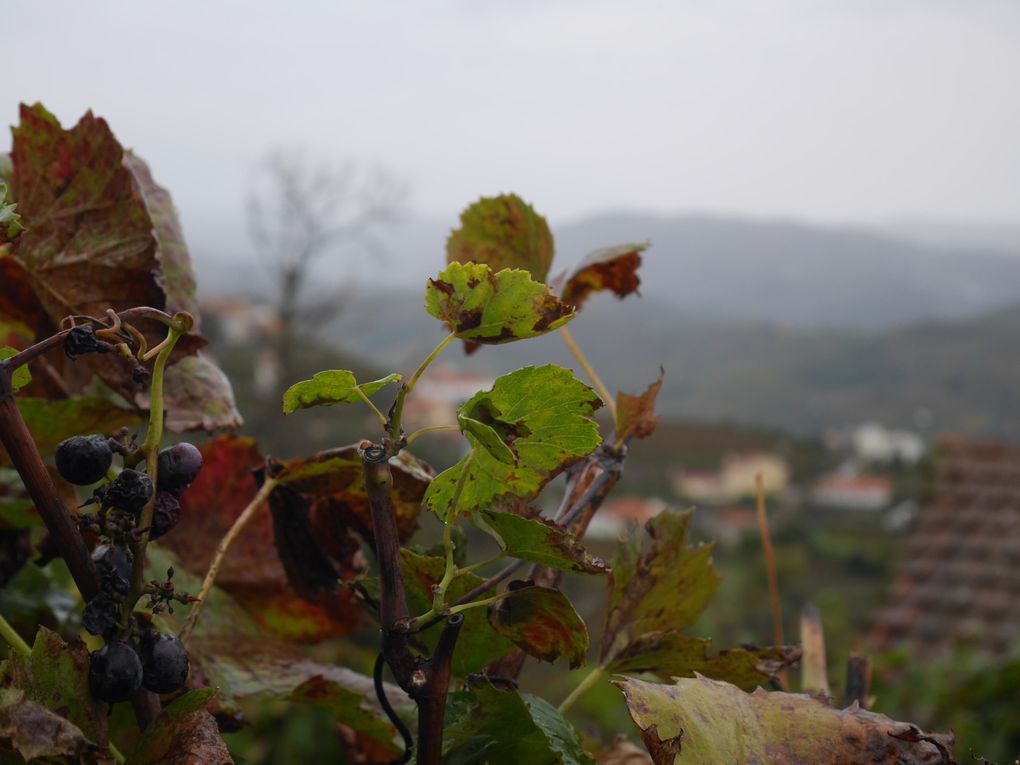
(252, 571)
(33, 731)
(635, 415)
(185, 733)
(703, 721)
(610, 268)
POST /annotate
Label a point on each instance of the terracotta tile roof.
(959, 581)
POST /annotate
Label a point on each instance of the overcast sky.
(823, 111)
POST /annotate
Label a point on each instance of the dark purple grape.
(114, 569)
(101, 614)
(164, 662)
(165, 514)
(82, 340)
(83, 460)
(178, 467)
(129, 492)
(115, 672)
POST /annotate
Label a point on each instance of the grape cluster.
(134, 655)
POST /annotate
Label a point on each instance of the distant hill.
(778, 272)
(801, 276)
(959, 376)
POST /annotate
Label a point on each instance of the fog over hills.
(778, 272)
(799, 327)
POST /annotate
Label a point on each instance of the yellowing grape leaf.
(542, 622)
(663, 587)
(543, 416)
(490, 307)
(503, 232)
(334, 386)
(539, 540)
(673, 654)
(707, 722)
(611, 268)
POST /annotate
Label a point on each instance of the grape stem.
(395, 433)
(221, 550)
(589, 370)
(589, 682)
(182, 322)
(14, 640)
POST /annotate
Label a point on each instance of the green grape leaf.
(672, 654)
(542, 622)
(349, 707)
(543, 415)
(703, 721)
(184, 732)
(50, 422)
(21, 376)
(478, 643)
(490, 307)
(611, 268)
(503, 232)
(56, 675)
(662, 588)
(539, 540)
(503, 727)
(335, 386)
(10, 221)
(635, 415)
(33, 731)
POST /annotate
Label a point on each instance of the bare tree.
(298, 212)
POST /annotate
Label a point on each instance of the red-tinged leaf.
(662, 587)
(199, 396)
(623, 752)
(33, 731)
(673, 654)
(538, 540)
(703, 721)
(251, 571)
(611, 268)
(185, 733)
(100, 235)
(635, 415)
(333, 482)
(503, 232)
(374, 732)
(56, 675)
(232, 652)
(541, 622)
